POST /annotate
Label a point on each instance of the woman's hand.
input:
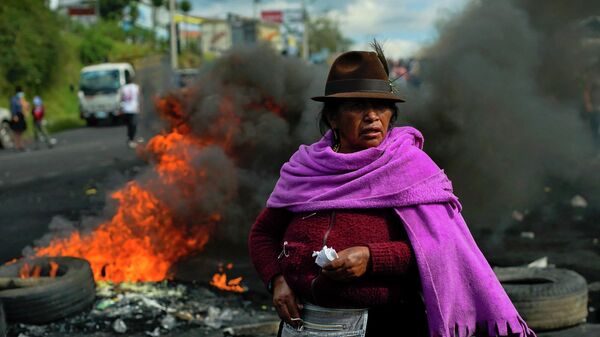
(350, 264)
(285, 301)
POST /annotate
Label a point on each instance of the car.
(99, 91)
(5, 132)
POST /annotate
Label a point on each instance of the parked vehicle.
(99, 94)
(5, 133)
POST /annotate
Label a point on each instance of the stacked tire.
(50, 299)
(546, 298)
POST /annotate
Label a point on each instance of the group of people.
(19, 108)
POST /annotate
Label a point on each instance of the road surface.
(36, 186)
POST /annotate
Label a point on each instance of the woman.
(407, 264)
(18, 106)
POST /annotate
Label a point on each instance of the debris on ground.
(518, 216)
(91, 191)
(579, 202)
(156, 309)
(539, 263)
(119, 326)
(528, 235)
(265, 328)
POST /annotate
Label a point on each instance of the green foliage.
(95, 48)
(185, 6)
(30, 42)
(113, 9)
(323, 33)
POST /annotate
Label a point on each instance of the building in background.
(86, 12)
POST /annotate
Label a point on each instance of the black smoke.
(501, 104)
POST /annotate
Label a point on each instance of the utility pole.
(305, 51)
(173, 35)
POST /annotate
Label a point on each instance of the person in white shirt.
(130, 107)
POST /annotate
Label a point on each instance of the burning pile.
(223, 143)
(145, 237)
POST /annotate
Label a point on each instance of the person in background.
(39, 132)
(18, 106)
(591, 101)
(130, 107)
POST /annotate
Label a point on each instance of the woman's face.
(361, 123)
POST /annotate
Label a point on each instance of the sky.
(404, 26)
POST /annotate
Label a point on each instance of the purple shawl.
(462, 294)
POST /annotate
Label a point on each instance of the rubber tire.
(2, 322)
(73, 291)
(559, 301)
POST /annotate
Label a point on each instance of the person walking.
(18, 125)
(130, 107)
(39, 132)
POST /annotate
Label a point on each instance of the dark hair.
(18, 89)
(331, 107)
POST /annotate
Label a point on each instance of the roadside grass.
(60, 100)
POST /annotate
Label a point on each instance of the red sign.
(272, 16)
(81, 11)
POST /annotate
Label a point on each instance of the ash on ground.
(161, 309)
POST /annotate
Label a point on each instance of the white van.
(99, 94)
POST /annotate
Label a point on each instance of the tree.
(134, 13)
(31, 42)
(185, 6)
(113, 9)
(156, 4)
(324, 33)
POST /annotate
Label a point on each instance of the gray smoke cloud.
(500, 104)
(257, 102)
(253, 106)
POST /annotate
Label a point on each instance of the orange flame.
(24, 272)
(145, 237)
(219, 280)
(27, 271)
(53, 269)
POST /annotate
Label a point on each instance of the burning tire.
(546, 298)
(43, 299)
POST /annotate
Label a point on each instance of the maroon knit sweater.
(391, 277)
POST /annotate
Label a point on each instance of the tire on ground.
(71, 291)
(2, 322)
(547, 298)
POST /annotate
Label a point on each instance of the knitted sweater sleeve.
(390, 258)
(264, 241)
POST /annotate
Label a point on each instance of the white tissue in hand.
(325, 256)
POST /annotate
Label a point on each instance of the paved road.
(35, 186)
(78, 150)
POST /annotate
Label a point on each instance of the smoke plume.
(500, 104)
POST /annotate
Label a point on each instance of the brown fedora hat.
(358, 74)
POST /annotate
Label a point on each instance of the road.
(36, 186)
